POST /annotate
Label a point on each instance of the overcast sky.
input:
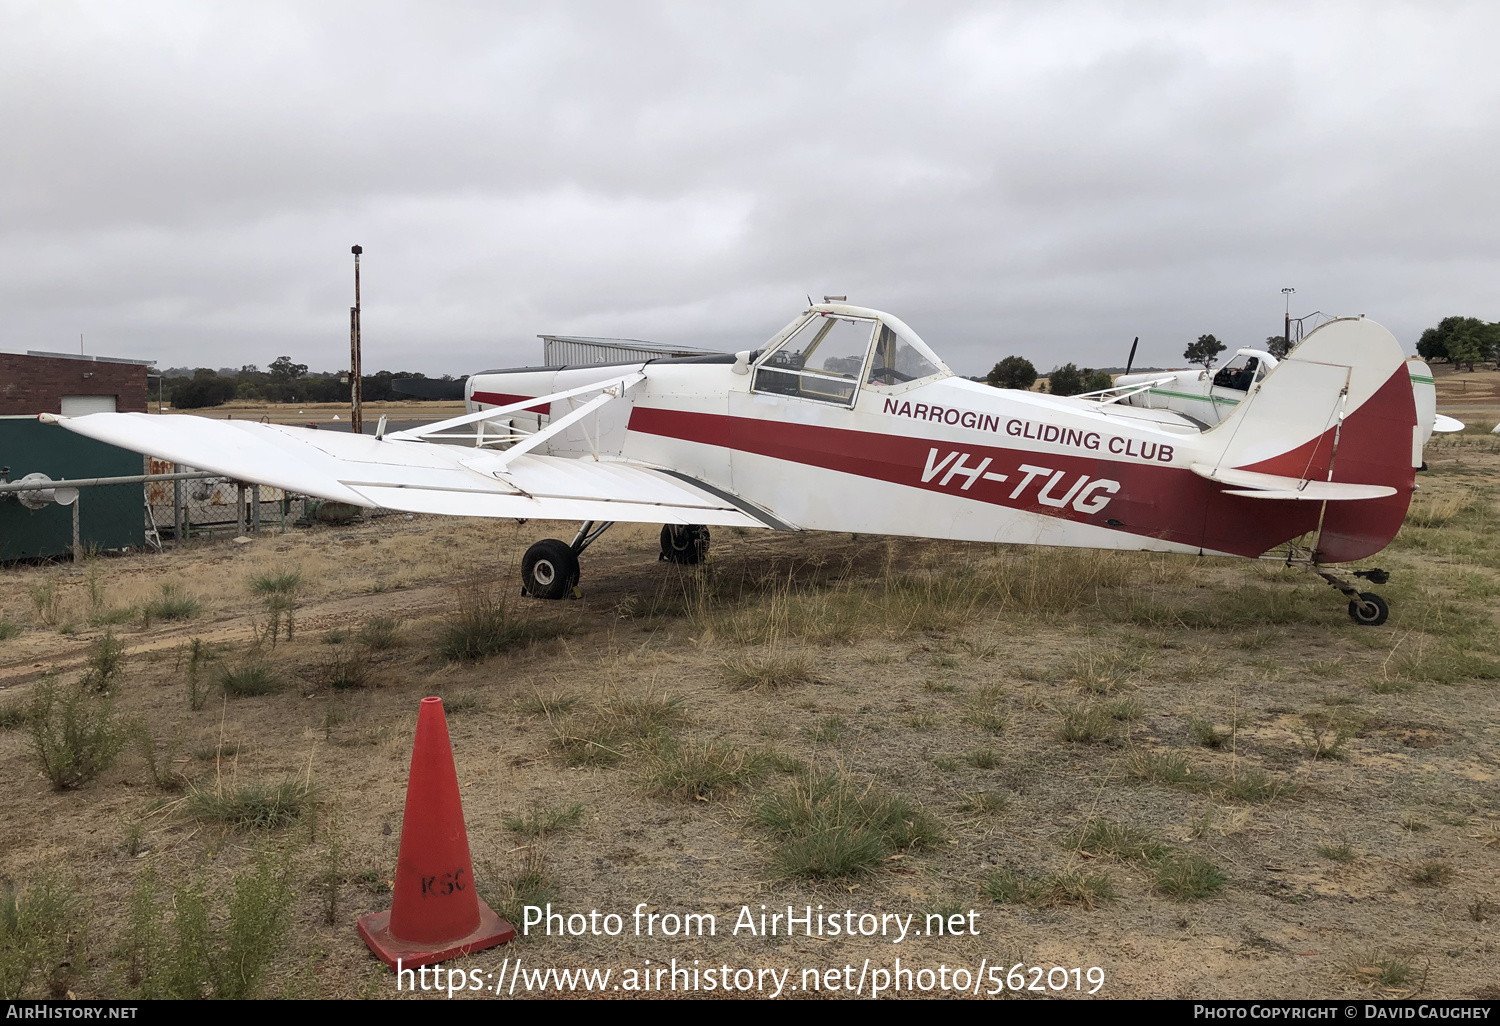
(183, 182)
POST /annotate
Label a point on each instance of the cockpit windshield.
(829, 353)
(897, 361)
(823, 360)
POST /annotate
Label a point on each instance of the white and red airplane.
(846, 421)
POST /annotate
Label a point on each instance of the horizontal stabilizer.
(1273, 486)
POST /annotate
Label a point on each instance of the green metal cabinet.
(110, 517)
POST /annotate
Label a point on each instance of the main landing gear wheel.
(1369, 609)
(549, 570)
(684, 544)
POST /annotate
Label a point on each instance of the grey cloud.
(183, 182)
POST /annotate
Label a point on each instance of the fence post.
(76, 543)
(179, 531)
(255, 508)
(239, 509)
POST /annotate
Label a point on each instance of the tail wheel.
(1369, 609)
(549, 570)
(684, 544)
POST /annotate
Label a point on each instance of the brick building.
(73, 385)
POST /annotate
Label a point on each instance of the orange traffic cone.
(435, 912)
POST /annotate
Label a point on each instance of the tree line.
(284, 381)
(1462, 341)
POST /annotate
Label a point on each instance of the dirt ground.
(1338, 782)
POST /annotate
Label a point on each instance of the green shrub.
(254, 806)
(281, 610)
(198, 655)
(276, 582)
(1187, 877)
(827, 826)
(172, 603)
(1431, 874)
(34, 929)
(259, 916)
(1102, 838)
(14, 715)
(700, 771)
(248, 680)
(484, 626)
(46, 602)
(539, 821)
(229, 963)
(601, 736)
(1089, 724)
(106, 657)
(380, 633)
(1206, 734)
(1086, 890)
(344, 671)
(532, 884)
(8, 629)
(160, 764)
(74, 735)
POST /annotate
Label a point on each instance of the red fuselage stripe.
(1150, 499)
(497, 398)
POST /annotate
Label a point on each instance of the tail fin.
(1338, 408)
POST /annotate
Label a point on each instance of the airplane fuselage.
(943, 457)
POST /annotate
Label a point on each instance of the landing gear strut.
(1365, 607)
(550, 570)
(684, 543)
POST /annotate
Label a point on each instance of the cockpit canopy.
(828, 352)
(1247, 367)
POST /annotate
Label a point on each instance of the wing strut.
(613, 388)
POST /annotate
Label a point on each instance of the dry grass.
(485, 625)
(250, 679)
(256, 806)
(935, 683)
(769, 671)
(700, 771)
(607, 732)
(830, 826)
(1083, 890)
(541, 820)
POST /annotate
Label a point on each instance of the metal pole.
(95, 482)
(179, 534)
(255, 508)
(356, 368)
(1287, 337)
(239, 509)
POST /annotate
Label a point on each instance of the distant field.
(1199, 775)
(301, 413)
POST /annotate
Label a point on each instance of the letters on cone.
(435, 913)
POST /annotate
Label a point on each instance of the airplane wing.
(1273, 486)
(402, 473)
(1446, 425)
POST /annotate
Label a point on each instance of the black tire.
(549, 570)
(688, 544)
(1370, 611)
